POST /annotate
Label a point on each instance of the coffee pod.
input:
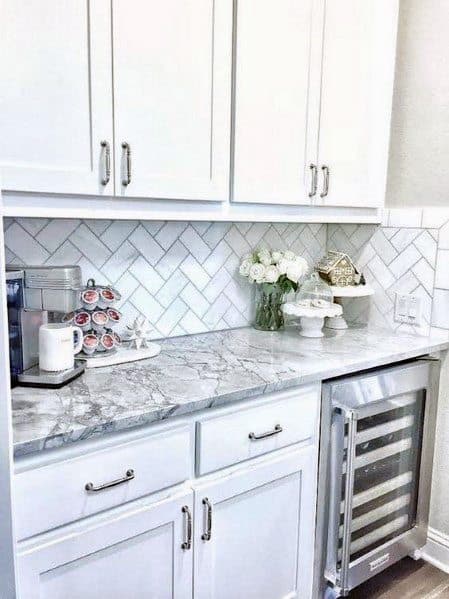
(90, 298)
(82, 320)
(114, 315)
(99, 320)
(107, 297)
(107, 342)
(90, 343)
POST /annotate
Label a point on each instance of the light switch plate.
(407, 309)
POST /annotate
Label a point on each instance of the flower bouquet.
(275, 274)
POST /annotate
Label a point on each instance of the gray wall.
(419, 150)
(419, 162)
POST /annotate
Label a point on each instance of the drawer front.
(284, 419)
(56, 494)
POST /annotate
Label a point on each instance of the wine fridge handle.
(351, 420)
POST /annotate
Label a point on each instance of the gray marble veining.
(197, 372)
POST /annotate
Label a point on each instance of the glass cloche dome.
(314, 293)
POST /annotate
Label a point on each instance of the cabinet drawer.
(55, 494)
(282, 419)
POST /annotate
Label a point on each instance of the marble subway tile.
(24, 246)
(442, 272)
(440, 311)
(405, 217)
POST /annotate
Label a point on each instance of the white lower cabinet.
(245, 530)
(132, 554)
(254, 531)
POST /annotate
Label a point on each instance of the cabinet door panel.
(56, 98)
(357, 88)
(172, 79)
(261, 544)
(136, 554)
(272, 120)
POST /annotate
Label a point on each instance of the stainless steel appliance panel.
(377, 465)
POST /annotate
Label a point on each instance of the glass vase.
(268, 304)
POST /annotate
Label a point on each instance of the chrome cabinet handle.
(277, 429)
(127, 148)
(91, 488)
(107, 162)
(206, 536)
(326, 175)
(314, 180)
(188, 542)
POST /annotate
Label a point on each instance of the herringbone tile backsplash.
(181, 275)
(406, 255)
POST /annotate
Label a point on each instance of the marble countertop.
(197, 372)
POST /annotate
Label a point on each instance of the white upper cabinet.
(357, 87)
(274, 93)
(55, 95)
(302, 89)
(172, 97)
(313, 93)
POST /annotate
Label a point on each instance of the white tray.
(121, 356)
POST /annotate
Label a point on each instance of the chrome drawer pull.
(188, 542)
(107, 162)
(326, 176)
(208, 534)
(314, 181)
(277, 429)
(90, 488)
(127, 148)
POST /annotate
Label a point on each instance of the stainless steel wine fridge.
(376, 470)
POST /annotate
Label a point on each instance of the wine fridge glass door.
(376, 453)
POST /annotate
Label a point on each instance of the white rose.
(276, 256)
(288, 255)
(265, 260)
(271, 274)
(257, 272)
(294, 271)
(283, 264)
(245, 267)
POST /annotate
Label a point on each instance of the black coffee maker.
(14, 298)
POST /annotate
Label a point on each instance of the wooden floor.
(406, 580)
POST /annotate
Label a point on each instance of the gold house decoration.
(338, 269)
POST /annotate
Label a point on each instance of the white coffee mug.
(58, 344)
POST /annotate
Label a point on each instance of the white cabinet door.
(55, 98)
(357, 88)
(134, 554)
(172, 97)
(276, 100)
(261, 524)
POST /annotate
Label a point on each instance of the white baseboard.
(436, 550)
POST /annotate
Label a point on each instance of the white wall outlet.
(407, 308)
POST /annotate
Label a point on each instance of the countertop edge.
(29, 448)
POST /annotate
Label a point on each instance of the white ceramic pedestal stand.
(338, 322)
(312, 319)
